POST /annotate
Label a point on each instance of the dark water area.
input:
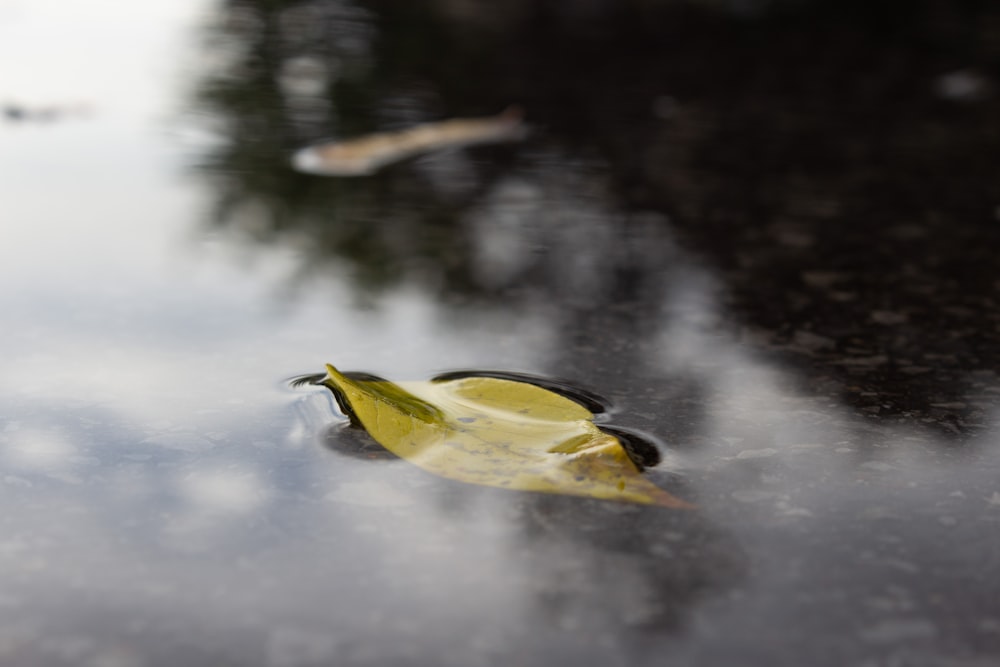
(758, 237)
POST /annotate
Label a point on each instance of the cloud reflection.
(290, 530)
(36, 450)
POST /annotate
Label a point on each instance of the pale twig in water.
(366, 155)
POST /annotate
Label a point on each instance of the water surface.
(778, 265)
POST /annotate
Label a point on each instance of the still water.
(826, 399)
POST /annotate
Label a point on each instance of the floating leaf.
(495, 432)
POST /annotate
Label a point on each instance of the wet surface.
(765, 232)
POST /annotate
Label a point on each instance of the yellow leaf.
(496, 432)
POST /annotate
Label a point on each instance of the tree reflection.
(295, 72)
(799, 146)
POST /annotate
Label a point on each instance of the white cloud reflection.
(36, 449)
(228, 489)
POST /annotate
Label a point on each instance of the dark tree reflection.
(295, 72)
(834, 162)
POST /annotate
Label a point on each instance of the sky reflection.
(171, 500)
